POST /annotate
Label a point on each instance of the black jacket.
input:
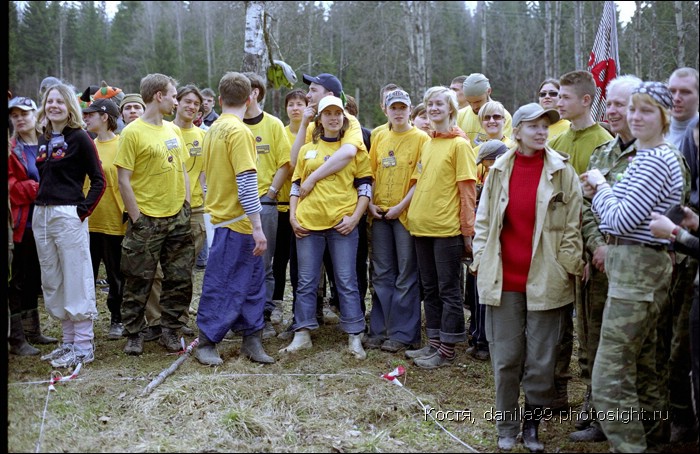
(63, 168)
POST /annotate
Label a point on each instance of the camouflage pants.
(153, 308)
(589, 317)
(146, 242)
(624, 381)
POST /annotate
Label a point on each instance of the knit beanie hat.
(132, 97)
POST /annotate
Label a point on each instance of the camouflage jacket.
(612, 161)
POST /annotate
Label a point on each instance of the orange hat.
(107, 92)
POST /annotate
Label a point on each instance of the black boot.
(531, 422)
(32, 328)
(584, 416)
(252, 349)
(18, 343)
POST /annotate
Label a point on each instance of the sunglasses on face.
(552, 94)
(495, 117)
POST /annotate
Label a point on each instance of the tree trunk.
(208, 48)
(555, 38)
(418, 42)
(484, 47)
(256, 57)
(548, 71)
(680, 34)
(637, 39)
(578, 57)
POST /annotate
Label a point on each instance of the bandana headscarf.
(658, 91)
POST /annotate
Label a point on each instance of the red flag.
(604, 62)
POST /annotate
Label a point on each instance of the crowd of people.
(548, 225)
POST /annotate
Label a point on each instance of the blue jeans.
(343, 249)
(439, 264)
(396, 304)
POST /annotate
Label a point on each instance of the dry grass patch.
(319, 400)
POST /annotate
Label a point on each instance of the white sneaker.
(57, 353)
(302, 341)
(73, 357)
(355, 346)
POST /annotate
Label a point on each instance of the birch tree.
(680, 33)
(256, 55)
(548, 70)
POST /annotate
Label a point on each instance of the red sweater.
(519, 221)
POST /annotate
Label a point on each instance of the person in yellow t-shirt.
(233, 291)
(328, 216)
(285, 250)
(576, 94)
(272, 148)
(394, 322)
(548, 94)
(492, 117)
(154, 185)
(107, 225)
(441, 218)
(319, 87)
(383, 92)
(477, 91)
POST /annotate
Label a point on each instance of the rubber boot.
(355, 346)
(531, 423)
(252, 348)
(301, 341)
(32, 328)
(18, 342)
(206, 352)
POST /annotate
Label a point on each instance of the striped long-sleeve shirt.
(653, 182)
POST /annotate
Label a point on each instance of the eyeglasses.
(496, 117)
(552, 94)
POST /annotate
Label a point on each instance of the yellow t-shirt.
(558, 128)
(377, 130)
(229, 149)
(393, 158)
(107, 216)
(283, 194)
(194, 138)
(334, 196)
(435, 207)
(272, 147)
(155, 155)
(469, 122)
(352, 136)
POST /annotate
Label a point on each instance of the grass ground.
(319, 400)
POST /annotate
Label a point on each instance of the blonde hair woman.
(638, 268)
(65, 158)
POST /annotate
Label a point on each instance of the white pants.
(62, 243)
